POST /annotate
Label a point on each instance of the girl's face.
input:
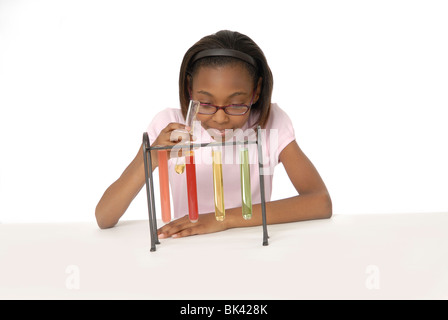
(223, 86)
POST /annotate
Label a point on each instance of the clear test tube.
(185, 134)
(164, 185)
(192, 192)
(218, 186)
(246, 193)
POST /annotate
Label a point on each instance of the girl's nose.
(220, 117)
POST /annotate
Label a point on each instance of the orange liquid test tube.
(164, 185)
(192, 192)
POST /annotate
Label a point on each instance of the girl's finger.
(179, 135)
(186, 232)
(173, 126)
(173, 227)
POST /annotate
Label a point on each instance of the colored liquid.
(246, 193)
(164, 185)
(192, 192)
(218, 187)
(179, 168)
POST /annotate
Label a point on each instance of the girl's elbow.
(323, 205)
(327, 206)
(105, 225)
(103, 221)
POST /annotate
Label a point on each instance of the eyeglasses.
(232, 109)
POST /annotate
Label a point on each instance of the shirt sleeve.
(282, 132)
(161, 120)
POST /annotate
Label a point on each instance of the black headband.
(226, 53)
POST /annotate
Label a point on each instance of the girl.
(228, 73)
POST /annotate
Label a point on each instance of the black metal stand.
(150, 185)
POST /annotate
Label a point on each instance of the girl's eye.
(206, 108)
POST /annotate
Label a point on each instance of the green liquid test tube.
(246, 193)
(218, 186)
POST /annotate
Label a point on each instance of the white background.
(365, 83)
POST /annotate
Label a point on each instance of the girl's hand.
(182, 227)
(174, 133)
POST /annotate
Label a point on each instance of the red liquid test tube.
(164, 185)
(192, 192)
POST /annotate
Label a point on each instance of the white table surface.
(386, 256)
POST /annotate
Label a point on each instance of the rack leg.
(153, 201)
(150, 192)
(260, 173)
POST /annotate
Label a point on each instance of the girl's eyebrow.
(205, 93)
(237, 93)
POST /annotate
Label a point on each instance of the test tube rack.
(150, 184)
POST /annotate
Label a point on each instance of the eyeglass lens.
(232, 110)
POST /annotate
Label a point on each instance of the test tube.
(180, 165)
(192, 112)
(185, 134)
(164, 185)
(192, 192)
(246, 193)
(218, 187)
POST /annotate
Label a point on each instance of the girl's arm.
(117, 198)
(312, 202)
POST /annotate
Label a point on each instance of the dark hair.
(228, 40)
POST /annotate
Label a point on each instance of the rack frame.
(146, 145)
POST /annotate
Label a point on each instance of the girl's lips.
(220, 132)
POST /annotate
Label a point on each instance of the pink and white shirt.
(277, 134)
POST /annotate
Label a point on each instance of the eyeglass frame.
(224, 108)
